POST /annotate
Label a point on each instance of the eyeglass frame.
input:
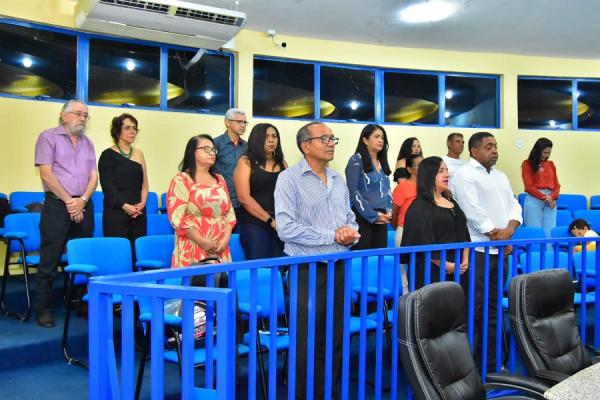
(331, 138)
(80, 114)
(239, 121)
(208, 149)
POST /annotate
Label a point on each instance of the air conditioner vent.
(207, 16)
(139, 4)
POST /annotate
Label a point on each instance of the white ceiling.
(556, 28)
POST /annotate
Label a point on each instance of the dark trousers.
(492, 307)
(260, 241)
(320, 327)
(372, 236)
(56, 228)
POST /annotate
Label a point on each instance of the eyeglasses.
(325, 139)
(80, 114)
(239, 121)
(208, 149)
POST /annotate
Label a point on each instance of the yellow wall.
(164, 133)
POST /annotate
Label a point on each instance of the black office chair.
(543, 320)
(435, 352)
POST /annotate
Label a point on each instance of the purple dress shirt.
(71, 165)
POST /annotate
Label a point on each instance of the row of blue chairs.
(20, 199)
(571, 202)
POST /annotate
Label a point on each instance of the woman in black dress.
(255, 176)
(435, 218)
(124, 182)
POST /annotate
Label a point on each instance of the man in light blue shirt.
(313, 215)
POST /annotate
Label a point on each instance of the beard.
(76, 128)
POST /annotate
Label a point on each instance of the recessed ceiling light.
(27, 62)
(130, 65)
(427, 11)
(447, 114)
(449, 94)
(208, 95)
(552, 123)
(354, 104)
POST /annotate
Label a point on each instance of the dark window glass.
(347, 94)
(545, 104)
(411, 98)
(201, 85)
(35, 62)
(588, 105)
(283, 89)
(470, 101)
(124, 73)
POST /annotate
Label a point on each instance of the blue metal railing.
(383, 295)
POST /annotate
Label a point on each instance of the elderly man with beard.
(67, 163)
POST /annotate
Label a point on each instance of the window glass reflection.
(411, 98)
(37, 63)
(283, 89)
(201, 85)
(588, 105)
(347, 94)
(545, 103)
(125, 74)
(470, 101)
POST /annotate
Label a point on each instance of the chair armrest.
(372, 291)
(19, 209)
(170, 319)
(14, 235)
(149, 264)
(86, 269)
(531, 386)
(550, 376)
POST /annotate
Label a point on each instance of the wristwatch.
(83, 198)
(268, 222)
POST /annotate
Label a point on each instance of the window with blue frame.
(411, 98)
(347, 94)
(37, 63)
(588, 104)
(124, 73)
(545, 103)
(283, 89)
(470, 101)
(198, 81)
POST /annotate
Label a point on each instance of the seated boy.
(580, 228)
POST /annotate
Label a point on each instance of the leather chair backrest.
(434, 348)
(543, 321)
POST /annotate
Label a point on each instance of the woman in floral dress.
(199, 207)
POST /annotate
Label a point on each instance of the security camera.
(271, 33)
(283, 44)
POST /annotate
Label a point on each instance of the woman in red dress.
(199, 207)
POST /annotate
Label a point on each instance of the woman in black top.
(124, 182)
(435, 218)
(254, 177)
(408, 147)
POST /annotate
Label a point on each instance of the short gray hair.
(304, 134)
(67, 107)
(232, 112)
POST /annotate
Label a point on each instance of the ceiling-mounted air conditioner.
(167, 21)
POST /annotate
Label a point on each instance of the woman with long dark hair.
(408, 147)
(254, 177)
(124, 182)
(542, 187)
(199, 207)
(367, 179)
(435, 218)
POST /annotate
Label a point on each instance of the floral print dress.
(206, 208)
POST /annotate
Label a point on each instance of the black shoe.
(45, 319)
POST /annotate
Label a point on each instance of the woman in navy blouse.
(369, 186)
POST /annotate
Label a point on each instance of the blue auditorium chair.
(3, 195)
(590, 267)
(98, 230)
(22, 235)
(595, 202)
(521, 199)
(153, 252)
(152, 203)
(235, 248)
(163, 203)
(158, 224)
(591, 216)
(89, 257)
(19, 200)
(563, 217)
(561, 231)
(571, 202)
(98, 200)
(528, 232)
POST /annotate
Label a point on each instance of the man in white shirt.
(456, 145)
(493, 213)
